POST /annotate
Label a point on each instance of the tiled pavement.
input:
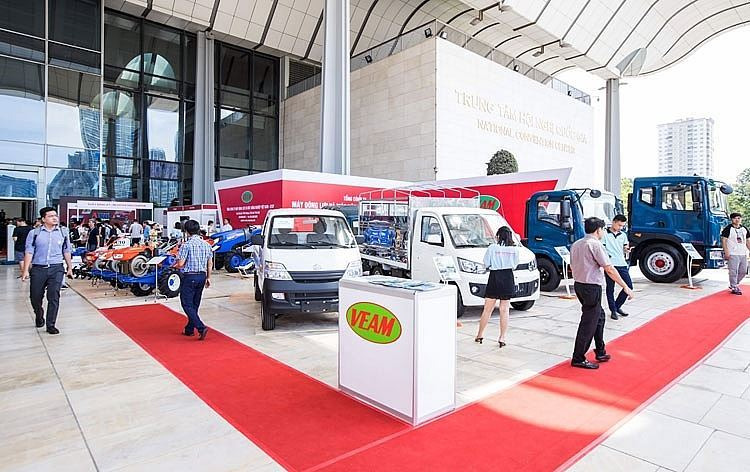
(90, 399)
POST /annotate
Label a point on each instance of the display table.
(397, 345)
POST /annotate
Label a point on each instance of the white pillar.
(334, 119)
(612, 138)
(204, 158)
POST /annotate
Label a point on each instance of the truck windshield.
(467, 230)
(602, 207)
(309, 231)
(718, 200)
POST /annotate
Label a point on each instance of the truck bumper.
(288, 297)
(715, 258)
(476, 285)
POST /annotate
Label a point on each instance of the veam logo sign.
(489, 202)
(247, 196)
(373, 323)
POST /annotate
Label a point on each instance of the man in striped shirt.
(195, 261)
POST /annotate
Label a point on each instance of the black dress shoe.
(52, 330)
(202, 334)
(622, 313)
(185, 333)
(585, 365)
(603, 357)
(614, 315)
(40, 323)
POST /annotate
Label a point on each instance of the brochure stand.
(155, 261)
(397, 345)
(565, 255)
(692, 254)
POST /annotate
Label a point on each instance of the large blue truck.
(663, 213)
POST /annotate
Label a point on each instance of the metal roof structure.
(609, 38)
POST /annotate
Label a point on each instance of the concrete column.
(334, 119)
(204, 158)
(612, 138)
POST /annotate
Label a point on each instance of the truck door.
(681, 210)
(429, 241)
(545, 225)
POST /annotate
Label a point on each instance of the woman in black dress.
(500, 260)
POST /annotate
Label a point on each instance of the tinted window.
(17, 184)
(161, 52)
(21, 153)
(647, 195)
(83, 159)
(121, 116)
(74, 58)
(71, 182)
(25, 16)
(548, 212)
(163, 133)
(21, 101)
(17, 45)
(122, 47)
(679, 198)
(75, 22)
(264, 77)
(265, 143)
(73, 118)
(120, 187)
(122, 167)
(235, 70)
(431, 231)
(234, 139)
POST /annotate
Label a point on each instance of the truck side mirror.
(566, 215)
(726, 189)
(256, 240)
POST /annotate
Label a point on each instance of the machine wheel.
(522, 306)
(234, 261)
(549, 277)
(268, 318)
(170, 282)
(460, 307)
(377, 270)
(218, 261)
(100, 264)
(662, 263)
(141, 290)
(258, 295)
(138, 267)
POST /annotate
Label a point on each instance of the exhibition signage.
(373, 323)
(489, 202)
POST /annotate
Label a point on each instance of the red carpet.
(538, 425)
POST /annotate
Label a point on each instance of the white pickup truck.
(402, 236)
(300, 255)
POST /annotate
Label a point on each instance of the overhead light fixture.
(563, 44)
(428, 32)
(368, 59)
(443, 34)
(539, 52)
(478, 19)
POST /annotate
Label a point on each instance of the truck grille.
(302, 297)
(320, 276)
(526, 289)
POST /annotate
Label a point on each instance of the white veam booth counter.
(397, 346)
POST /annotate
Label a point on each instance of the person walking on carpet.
(46, 248)
(735, 240)
(195, 259)
(587, 259)
(500, 259)
(616, 243)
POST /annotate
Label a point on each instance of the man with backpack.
(46, 248)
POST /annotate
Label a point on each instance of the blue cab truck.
(663, 213)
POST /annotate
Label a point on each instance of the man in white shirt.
(735, 239)
(136, 233)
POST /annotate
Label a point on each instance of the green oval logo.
(489, 202)
(247, 196)
(373, 323)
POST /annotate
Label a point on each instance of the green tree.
(626, 187)
(739, 200)
(502, 162)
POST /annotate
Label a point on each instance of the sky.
(712, 82)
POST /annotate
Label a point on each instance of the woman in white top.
(500, 260)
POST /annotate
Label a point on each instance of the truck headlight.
(354, 269)
(471, 267)
(276, 271)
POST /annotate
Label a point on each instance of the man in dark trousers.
(46, 248)
(195, 258)
(587, 259)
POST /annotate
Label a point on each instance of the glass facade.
(97, 103)
(149, 91)
(247, 96)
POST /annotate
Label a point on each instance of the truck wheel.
(170, 282)
(234, 261)
(522, 306)
(460, 307)
(662, 263)
(549, 277)
(258, 295)
(268, 319)
(141, 290)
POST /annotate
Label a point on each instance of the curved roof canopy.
(609, 38)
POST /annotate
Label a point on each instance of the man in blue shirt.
(46, 248)
(195, 258)
(616, 243)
